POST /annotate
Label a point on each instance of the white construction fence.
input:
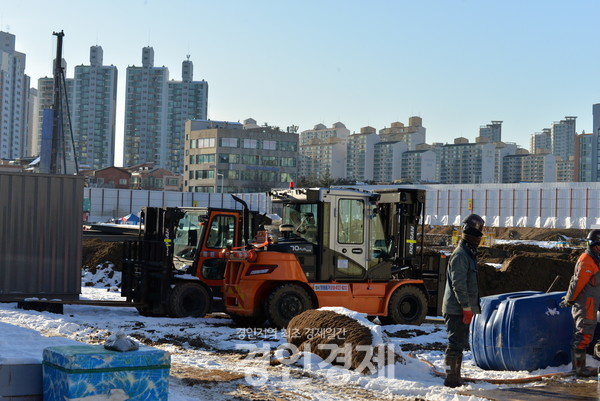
(547, 205)
(104, 204)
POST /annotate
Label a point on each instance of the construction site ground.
(522, 259)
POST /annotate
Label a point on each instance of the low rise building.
(229, 157)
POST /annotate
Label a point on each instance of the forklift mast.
(403, 210)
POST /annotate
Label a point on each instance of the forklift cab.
(344, 230)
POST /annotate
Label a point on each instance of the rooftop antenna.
(188, 57)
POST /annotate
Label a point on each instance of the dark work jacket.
(462, 282)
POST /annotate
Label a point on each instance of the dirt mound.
(326, 332)
(525, 273)
(525, 268)
(97, 252)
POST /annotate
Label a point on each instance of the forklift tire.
(189, 299)
(285, 302)
(408, 305)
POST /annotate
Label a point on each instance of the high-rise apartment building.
(413, 134)
(32, 117)
(94, 107)
(526, 167)
(156, 110)
(512, 167)
(583, 165)
(388, 161)
(541, 142)
(187, 101)
(361, 152)
(563, 138)
(418, 166)
(492, 131)
(502, 150)
(323, 151)
(146, 104)
(565, 169)
(14, 100)
(467, 163)
(223, 156)
(596, 142)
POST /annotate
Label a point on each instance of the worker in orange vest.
(583, 296)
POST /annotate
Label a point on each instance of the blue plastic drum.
(522, 331)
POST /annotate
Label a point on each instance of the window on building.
(288, 162)
(269, 145)
(249, 159)
(229, 142)
(229, 158)
(269, 161)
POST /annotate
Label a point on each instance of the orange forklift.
(336, 247)
(176, 267)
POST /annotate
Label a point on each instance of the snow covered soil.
(214, 360)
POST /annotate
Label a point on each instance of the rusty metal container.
(40, 236)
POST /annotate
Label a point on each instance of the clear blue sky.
(457, 64)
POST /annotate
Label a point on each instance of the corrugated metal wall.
(40, 236)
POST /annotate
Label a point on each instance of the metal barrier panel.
(40, 235)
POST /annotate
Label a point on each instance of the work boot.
(579, 356)
(452, 366)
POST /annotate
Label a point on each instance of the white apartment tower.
(146, 104)
(419, 166)
(492, 131)
(541, 142)
(388, 161)
(188, 100)
(361, 152)
(502, 150)
(94, 108)
(32, 129)
(14, 98)
(413, 134)
(323, 151)
(563, 138)
(526, 167)
(467, 163)
(565, 169)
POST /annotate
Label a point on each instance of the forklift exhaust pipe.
(245, 218)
